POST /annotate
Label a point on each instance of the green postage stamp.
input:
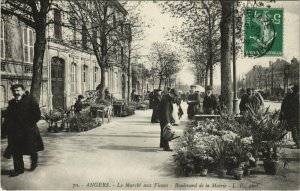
(263, 32)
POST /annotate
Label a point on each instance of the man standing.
(24, 138)
(210, 102)
(165, 115)
(155, 105)
(290, 113)
(245, 100)
(193, 102)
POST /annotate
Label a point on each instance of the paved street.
(122, 153)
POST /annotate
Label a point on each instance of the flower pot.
(229, 171)
(247, 171)
(221, 172)
(270, 166)
(188, 171)
(238, 173)
(203, 172)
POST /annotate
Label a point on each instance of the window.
(95, 74)
(85, 68)
(28, 41)
(3, 96)
(28, 69)
(57, 24)
(73, 77)
(2, 40)
(3, 66)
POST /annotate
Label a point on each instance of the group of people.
(202, 103)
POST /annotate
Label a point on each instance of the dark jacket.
(194, 102)
(78, 106)
(244, 101)
(210, 103)
(165, 110)
(290, 107)
(22, 132)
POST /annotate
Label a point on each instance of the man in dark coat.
(165, 115)
(193, 102)
(245, 100)
(290, 113)
(210, 102)
(155, 105)
(23, 135)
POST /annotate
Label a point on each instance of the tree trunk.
(37, 71)
(211, 74)
(159, 86)
(206, 75)
(101, 86)
(226, 81)
(129, 73)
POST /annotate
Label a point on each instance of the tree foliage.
(165, 61)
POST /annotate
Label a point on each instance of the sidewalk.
(125, 150)
(125, 154)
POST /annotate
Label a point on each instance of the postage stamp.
(263, 32)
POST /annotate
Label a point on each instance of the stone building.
(70, 68)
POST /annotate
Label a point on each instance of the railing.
(19, 69)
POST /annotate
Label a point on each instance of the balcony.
(19, 70)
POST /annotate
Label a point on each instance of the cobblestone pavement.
(124, 154)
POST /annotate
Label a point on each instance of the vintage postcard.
(150, 95)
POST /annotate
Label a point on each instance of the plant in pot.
(273, 135)
(184, 162)
(240, 156)
(219, 154)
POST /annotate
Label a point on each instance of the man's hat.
(209, 88)
(174, 91)
(191, 86)
(159, 90)
(80, 97)
(295, 88)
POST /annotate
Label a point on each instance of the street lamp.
(235, 99)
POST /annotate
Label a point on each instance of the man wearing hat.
(165, 111)
(245, 100)
(290, 113)
(210, 102)
(155, 103)
(193, 102)
(77, 109)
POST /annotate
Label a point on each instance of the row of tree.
(207, 34)
(94, 18)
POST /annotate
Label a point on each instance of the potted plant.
(220, 153)
(184, 162)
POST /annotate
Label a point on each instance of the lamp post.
(235, 99)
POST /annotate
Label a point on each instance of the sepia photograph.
(150, 94)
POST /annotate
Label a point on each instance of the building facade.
(70, 68)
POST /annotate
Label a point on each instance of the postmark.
(263, 32)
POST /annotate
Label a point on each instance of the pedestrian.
(151, 99)
(290, 113)
(210, 102)
(107, 95)
(165, 116)
(155, 104)
(194, 102)
(245, 100)
(23, 135)
(78, 106)
(133, 95)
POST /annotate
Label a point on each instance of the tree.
(104, 28)
(199, 31)
(34, 14)
(165, 60)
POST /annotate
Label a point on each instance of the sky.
(161, 23)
